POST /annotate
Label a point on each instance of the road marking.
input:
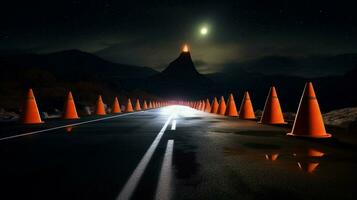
(135, 177)
(173, 125)
(65, 126)
(163, 191)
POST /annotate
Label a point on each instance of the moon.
(204, 30)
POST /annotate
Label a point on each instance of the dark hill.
(51, 75)
(181, 79)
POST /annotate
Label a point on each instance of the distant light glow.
(204, 31)
(185, 48)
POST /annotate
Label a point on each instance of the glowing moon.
(204, 31)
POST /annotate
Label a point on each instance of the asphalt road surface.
(173, 152)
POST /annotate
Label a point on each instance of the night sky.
(150, 34)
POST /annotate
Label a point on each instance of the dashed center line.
(135, 177)
(164, 187)
(173, 125)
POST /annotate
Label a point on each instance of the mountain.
(180, 79)
(74, 64)
(51, 75)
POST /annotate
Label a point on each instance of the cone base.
(326, 135)
(33, 123)
(273, 123)
(71, 118)
(248, 118)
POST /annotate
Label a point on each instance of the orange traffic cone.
(246, 110)
(203, 105)
(196, 105)
(231, 107)
(221, 107)
(272, 113)
(150, 105)
(145, 106)
(30, 114)
(207, 106)
(69, 111)
(100, 109)
(308, 121)
(129, 106)
(116, 106)
(137, 105)
(214, 107)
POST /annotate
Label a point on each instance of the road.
(173, 152)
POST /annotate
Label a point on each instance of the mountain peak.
(182, 66)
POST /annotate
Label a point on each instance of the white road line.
(135, 177)
(163, 191)
(173, 125)
(64, 126)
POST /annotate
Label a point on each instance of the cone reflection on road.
(272, 157)
(308, 121)
(69, 111)
(214, 107)
(308, 152)
(137, 105)
(116, 106)
(246, 110)
(30, 114)
(308, 166)
(221, 106)
(129, 106)
(231, 109)
(272, 113)
(69, 129)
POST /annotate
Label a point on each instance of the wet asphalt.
(214, 157)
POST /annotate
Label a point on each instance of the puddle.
(261, 146)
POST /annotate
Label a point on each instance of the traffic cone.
(231, 107)
(196, 105)
(308, 121)
(207, 106)
(145, 106)
(129, 106)
(214, 107)
(100, 109)
(203, 105)
(221, 107)
(272, 113)
(30, 114)
(246, 110)
(69, 111)
(116, 106)
(150, 105)
(137, 105)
